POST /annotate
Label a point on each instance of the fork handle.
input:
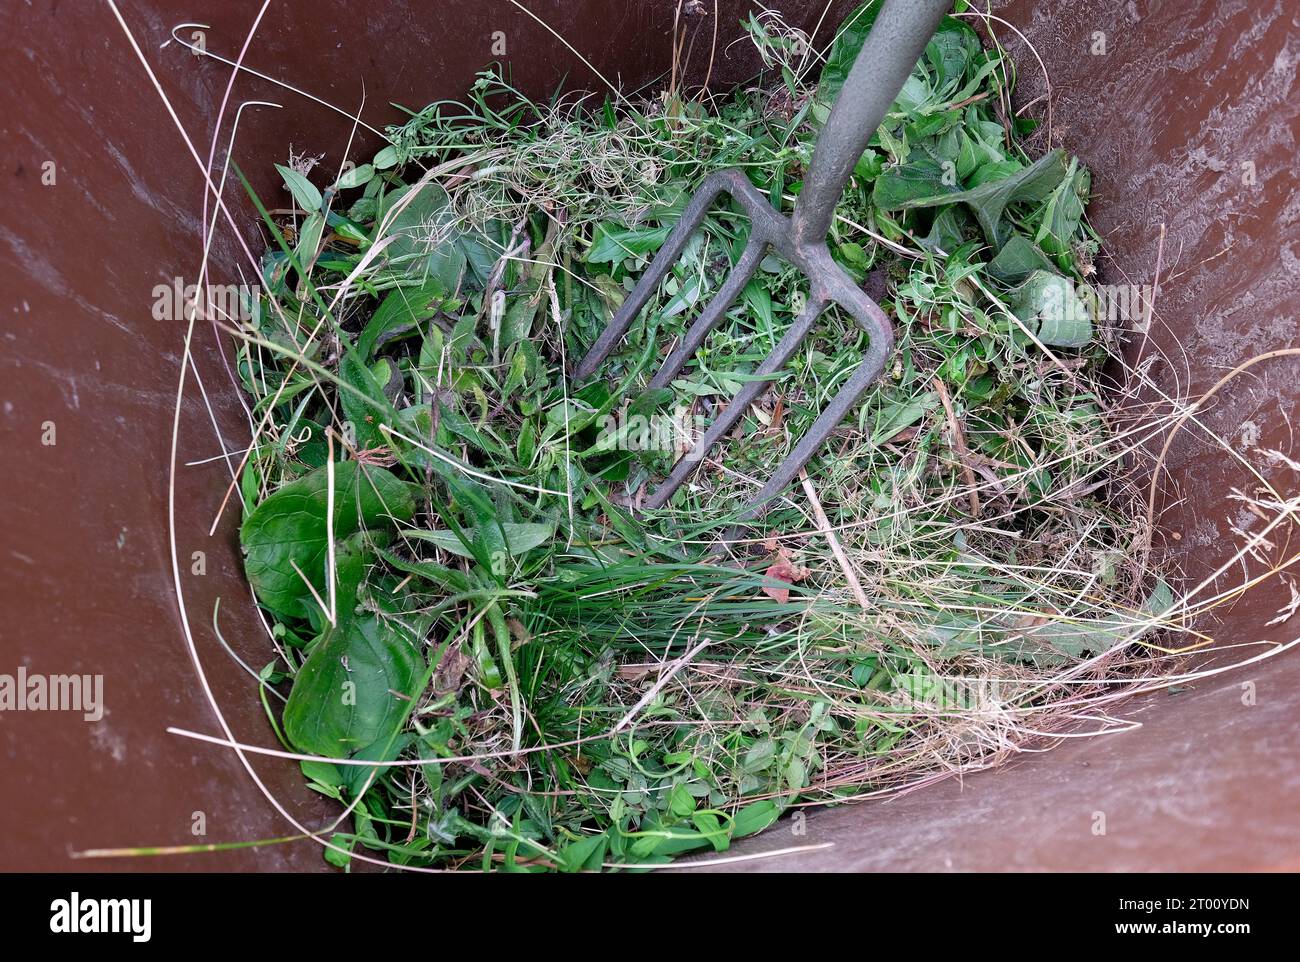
(894, 45)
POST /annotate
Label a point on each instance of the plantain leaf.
(288, 530)
(513, 537)
(348, 694)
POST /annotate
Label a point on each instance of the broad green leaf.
(347, 694)
(340, 856)
(711, 827)
(366, 406)
(651, 400)
(843, 53)
(427, 234)
(758, 298)
(526, 445)
(313, 228)
(950, 52)
(518, 373)
(614, 244)
(288, 529)
(1060, 642)
(680, 801)
(918, 183)
(759, 756)
(948, 232)
(1048, 304)
(304, 191)
(356, 177)
(988, 202)
(457, 425)
(584, 853)
(896, 416)
(754, 818)
(1063, 213)
(400, 311)
(1019, 258)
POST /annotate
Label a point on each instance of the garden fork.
(892, 48)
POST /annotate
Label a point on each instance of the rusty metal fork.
(892, 48)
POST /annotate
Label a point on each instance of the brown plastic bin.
(1189, 120)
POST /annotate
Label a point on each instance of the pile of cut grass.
(447, 529)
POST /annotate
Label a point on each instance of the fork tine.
(724, 422)
(690, 219)
(712, 313)
(826, 422)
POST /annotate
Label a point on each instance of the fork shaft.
(892, 48)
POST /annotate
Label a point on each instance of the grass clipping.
(447, 529)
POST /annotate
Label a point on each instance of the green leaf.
(950, 52)
(994, 171)
(614, 244)
(313, 228)
(754, 818)
(711, 826)
(304, 191)
(366, 412)
(758, 298)
(586, 853)
(457, 425)
(1059, 642)
(651, 400)
(896, 416)
(289, 528)
(1048, 304)
(1063, 213)
(356, 177)
(680, 801)
(401, 310)
(988, 202)
(760, 756)
(426, 234)
(918, 183)
(948, 232)
(343, 695)
(1019, 258)
(526, 446)
(843, 53)
(341, 855)
(519, 538)
(518, 372)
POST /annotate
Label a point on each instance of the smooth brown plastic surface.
(1190, 119)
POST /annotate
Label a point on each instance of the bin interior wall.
(1166, 118)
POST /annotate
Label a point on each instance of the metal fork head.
(829, 284)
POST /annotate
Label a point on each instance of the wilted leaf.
(780, 575)
(1048, 304)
